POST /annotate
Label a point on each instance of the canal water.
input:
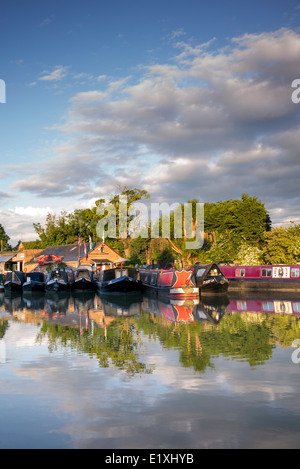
(136, 372)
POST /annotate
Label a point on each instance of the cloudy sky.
(186, 99)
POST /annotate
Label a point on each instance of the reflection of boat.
(35, 281)
(267, 304)
(83, 300)
(117, 306)
(60, 279)
(84, 279)
(118, 280)
(178, 311)
(263, 277)
(57, 302)
(121, 299)
(34, 300)
(210, 279)
(174, 283)
(14, 281)
(209, 313)
(13, 302)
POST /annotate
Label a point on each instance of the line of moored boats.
(176, 283)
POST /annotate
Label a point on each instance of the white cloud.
(57, 74)
(227, 114)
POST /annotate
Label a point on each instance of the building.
(101, 256)
(17, 260)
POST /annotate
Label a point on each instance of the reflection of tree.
(118, 344)
(3, 328)
(244, 337)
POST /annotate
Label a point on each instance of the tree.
(138, 251)
(4, 239)
(118, 210)
(282, 245)
(247, 218)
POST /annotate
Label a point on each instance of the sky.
(185, 99)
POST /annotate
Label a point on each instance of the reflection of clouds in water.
(174, 407)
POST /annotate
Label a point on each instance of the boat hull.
(213, 287)
(12, 287)
(33, 287)
(57, 286)
(83, 284)
(122, 284)
(174, 284)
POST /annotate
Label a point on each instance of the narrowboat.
(263, 277)
(174, 283)
(1, 283)
(35, 281)
(118, 280)
(210, 279)
(59, 279)
(14, 281)
(84, 279)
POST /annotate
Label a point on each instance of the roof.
(67, 252)
(70, 252)
(120, 260)
(7, 257)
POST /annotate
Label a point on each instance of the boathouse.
(99, 255)
(17, 259)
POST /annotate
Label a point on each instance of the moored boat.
(59, 279)
(174, 283)
(210, 279)
(263, 277)
(118, 280)
(14, 281)
(35, 281)
(84, 279)
(1, 283)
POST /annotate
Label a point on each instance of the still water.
(116, 373)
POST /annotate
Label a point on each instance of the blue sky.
(187, 99)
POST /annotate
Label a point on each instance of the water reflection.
(136, 371)
(112, 328)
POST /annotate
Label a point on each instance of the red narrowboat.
(174, 283)
(262, 277)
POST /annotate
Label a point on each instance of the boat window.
(240, 272)
(266, 272)
(268, 306)
(153, 279)
(295, 272)
(296, 307)
(200, 272)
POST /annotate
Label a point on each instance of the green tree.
(247, 218)
(138, 251)
(4, 240)
(282, 245)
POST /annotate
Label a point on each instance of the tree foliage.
(236, 230)
(4, 238)
(282, 245)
